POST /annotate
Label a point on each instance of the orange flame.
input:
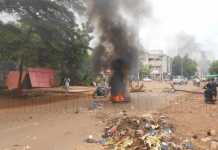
(118, 98)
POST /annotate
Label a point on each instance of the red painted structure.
(41, 78)
(13, 78)
(37, 77)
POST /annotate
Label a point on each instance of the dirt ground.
(63, 122)
(194, 119)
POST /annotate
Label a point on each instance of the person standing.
(67, 83)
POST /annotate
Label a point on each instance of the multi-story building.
(160, 64)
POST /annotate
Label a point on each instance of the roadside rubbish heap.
(141, 133)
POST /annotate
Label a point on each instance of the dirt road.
(65, 124)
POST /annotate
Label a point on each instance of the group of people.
(210, 92)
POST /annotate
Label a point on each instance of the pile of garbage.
(141, 133)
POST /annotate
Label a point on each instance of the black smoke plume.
(116, 22)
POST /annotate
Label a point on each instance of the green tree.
(184, 66)
(190, 67)
(48, 36)
(213, 69)
(144, 71)
(16, 45)
(177, 66)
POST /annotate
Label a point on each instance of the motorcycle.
(209, 95)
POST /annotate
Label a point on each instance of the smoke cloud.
(186, 44)
(116, 22)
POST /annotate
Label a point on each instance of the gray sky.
(197, 18)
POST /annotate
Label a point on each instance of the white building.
(159, 64)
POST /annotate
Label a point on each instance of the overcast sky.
(170, 17)
(197, 18)
(6, 17)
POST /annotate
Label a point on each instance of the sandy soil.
(59, 122)
(193, 119)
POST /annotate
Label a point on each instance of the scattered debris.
(17, 145)
(91, 140)
(136, 88)
(25, 147)
(96, 105)
(187, 144)
(206, 139)
(213, 145)
(181, 90)
(195, 136)
(211, 133)
(137, 133)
